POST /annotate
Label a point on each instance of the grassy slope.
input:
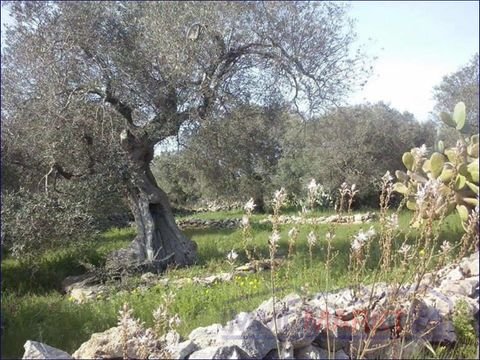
(34, 309)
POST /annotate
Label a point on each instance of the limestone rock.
(108, 344)
(205, 336)
(220, 352)
(299, 329)
(182, 350)
(71, 282)
(249, 334)
(82, 294)
(38, 350)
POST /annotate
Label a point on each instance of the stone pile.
(343, 324)
(83, 288)
(345, 219)
(208, 224)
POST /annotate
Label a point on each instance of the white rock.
(38, 350)
(249, 334)
(182, 350)
(220, 352)
(205, 336)
(109, 344)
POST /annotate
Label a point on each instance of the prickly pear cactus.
(446, 180)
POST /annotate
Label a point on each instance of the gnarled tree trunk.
(159, 241)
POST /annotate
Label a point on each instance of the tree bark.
(159, 241)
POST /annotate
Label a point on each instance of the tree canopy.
(89, 88)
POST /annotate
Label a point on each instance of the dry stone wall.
(366, 323)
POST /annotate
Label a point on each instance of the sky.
(416, 42)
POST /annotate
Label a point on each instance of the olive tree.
(461, 85)
(145, 70)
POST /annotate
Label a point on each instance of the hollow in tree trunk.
(159, 241)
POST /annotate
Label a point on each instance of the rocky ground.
(362, 324)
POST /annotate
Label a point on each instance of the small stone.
(148, 277)
(38, 350)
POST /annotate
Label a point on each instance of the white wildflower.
(361, 238)
(445, 247)
(249, 206)
(387, 177)
(174, 321)
(293, 233)
(370, 232)
(311, 239)
(312, 186)
(329, 236)
(404, 249)
(392, 221)
(232, 256)
(275, 238)
(279, 197)
(245, 221)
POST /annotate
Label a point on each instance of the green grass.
(34, 309)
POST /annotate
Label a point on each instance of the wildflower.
(312, 186)
(404, 249)
(174, 321)
(387, 177)
(361, 239)
(274, 238)
(371, 232)
(329, 236)
(279, 197)
(430, 188)
(421, 252)
(232, 256)
(249, 206)
(245, 221)
(445, 247)
(293, 233)
(311, 239)
(420, 152)
(392, 221)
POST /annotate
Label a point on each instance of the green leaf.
(401, 175)
(411, 205)
(474, 139)
(446, 175)
(408, 160)
(460, 182)
(447, 119)
(473, 187)
(451, 155)
(426, 166)
(472, 150)
(459, 115)
(463, 212)
(400, 188)
(473, 171)
(437, 161)
(471, 201)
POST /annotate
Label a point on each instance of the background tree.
(461, 85)
(357, 144)
(147, 69)
(234, 156)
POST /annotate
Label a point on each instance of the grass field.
(33, 307)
